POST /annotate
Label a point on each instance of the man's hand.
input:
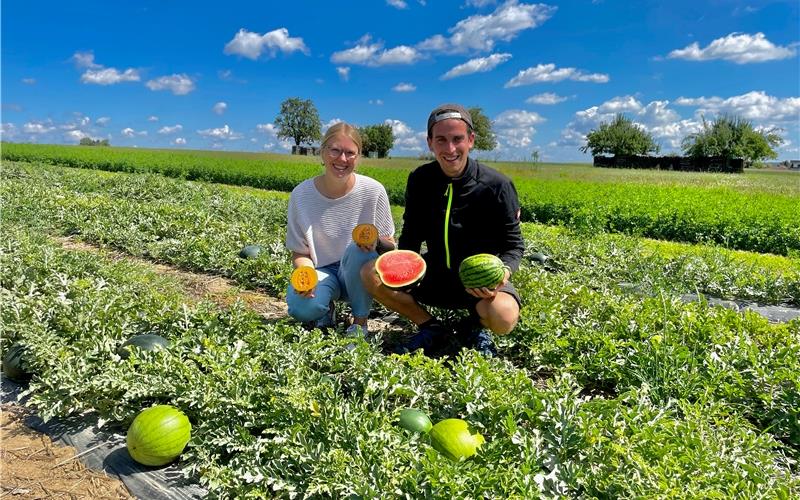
(489, 293)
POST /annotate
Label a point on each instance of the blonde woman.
(323, 211)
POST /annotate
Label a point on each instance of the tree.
(732, 137)
(535, 156)
(378, 138)
(485, 139)
(88, 141)
(298, 120)
(620, 137)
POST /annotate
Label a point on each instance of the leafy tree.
(535, 156)
(298, 120)
(485, 139)
(620, 137)
(88, 141)
(378, 138)
(732, 137)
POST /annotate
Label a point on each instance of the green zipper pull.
(449, 194)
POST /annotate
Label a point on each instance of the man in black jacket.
(458, 207)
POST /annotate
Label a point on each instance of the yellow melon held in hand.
(365, 234)
(304, 278)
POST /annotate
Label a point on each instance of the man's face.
(450, 143)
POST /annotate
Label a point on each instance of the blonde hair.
(342, 129)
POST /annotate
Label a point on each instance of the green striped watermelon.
(481, 270)
(158, 435)
(14, 366)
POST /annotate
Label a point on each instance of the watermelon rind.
(451, 438)
(481, 270)
(158, 435)
(400, 269)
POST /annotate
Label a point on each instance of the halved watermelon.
(400, 269)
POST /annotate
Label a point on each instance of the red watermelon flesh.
(400, 268)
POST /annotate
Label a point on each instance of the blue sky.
(210, 75)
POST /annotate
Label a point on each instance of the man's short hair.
(447, 111)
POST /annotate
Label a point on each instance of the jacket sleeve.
(513, 244)
(411, 233)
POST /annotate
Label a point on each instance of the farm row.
(666, 400)
(757, 216)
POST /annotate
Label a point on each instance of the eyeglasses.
(336, 153)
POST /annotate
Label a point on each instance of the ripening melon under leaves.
(451, 438)
(250, 252)
(145, 342)
(481, 270)
(304, 278)
(158, 435)
(14, 365)
(415, 420)
(400, 269)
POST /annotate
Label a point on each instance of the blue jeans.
(338, 281)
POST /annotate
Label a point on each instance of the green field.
(609, 387)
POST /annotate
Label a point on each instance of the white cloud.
(251, 45)
(129, 132)
(404, 87)
(222, 133)
(179, 141)
(397, 4)
(178, 84)
(268, 128)
(620, 105)
(754, 105)
(480, 3)
(29, 81)
(377, 102)
(549, 73)
(76, 135)
(38, 128)
(477, 65)
(330, 123)
(344, 72)
(8, 130)
(740, 48)
(546, 98)
(220, 107)
(170, 130)
(103, 121)
(109, 76)
(373, 54)
(480, 33)
(85, 60)
(152, 118)
(405, 138)
(515, 127)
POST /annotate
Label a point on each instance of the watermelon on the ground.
(415, 420)
(481, 270)
(14, 364)
(400, 269)
(158, 435)
(145, 342)
(250, 252)
(451, 438)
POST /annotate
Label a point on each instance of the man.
(458, 207)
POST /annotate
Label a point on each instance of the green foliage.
(485, 138)
(298, 120)
(732, 137)
(620, 137)
(377, 138)
(88, 141)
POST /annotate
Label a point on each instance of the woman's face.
(340, 156)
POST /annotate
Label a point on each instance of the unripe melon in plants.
(146, 342)
(250, 252)
(400, 269)
(158, 435)
(304, 278)
(451, 438)
(481, 270)
(415, 420)
(13, 365)
(539, 257)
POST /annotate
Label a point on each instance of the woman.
(322, 214)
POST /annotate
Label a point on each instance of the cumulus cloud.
(267, 128)
(8, 130)
(178, 84)
(220, 107)
(740, 48)
(480, 3)
(546, 98)
(477, 65)
(404, 87)
(152, 118)
(251, 45)
(344, 72)
(29, 81)
(170, 130)
(405, 138)
(397, 4)
(109, 76)
(179, 141)
(549, 73)
(85, 60)
(38, 128)
(516, 127)
(373, 54)
(103, 121)
(222, 133)
(129, 132)
(754, 105)
(480, 33)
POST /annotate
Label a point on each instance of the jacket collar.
(470, 171)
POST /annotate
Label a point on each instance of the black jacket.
(483, 215)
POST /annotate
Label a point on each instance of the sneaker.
(355, 330)
(431, 339)
(481, 340)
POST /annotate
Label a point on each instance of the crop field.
(610, 386)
